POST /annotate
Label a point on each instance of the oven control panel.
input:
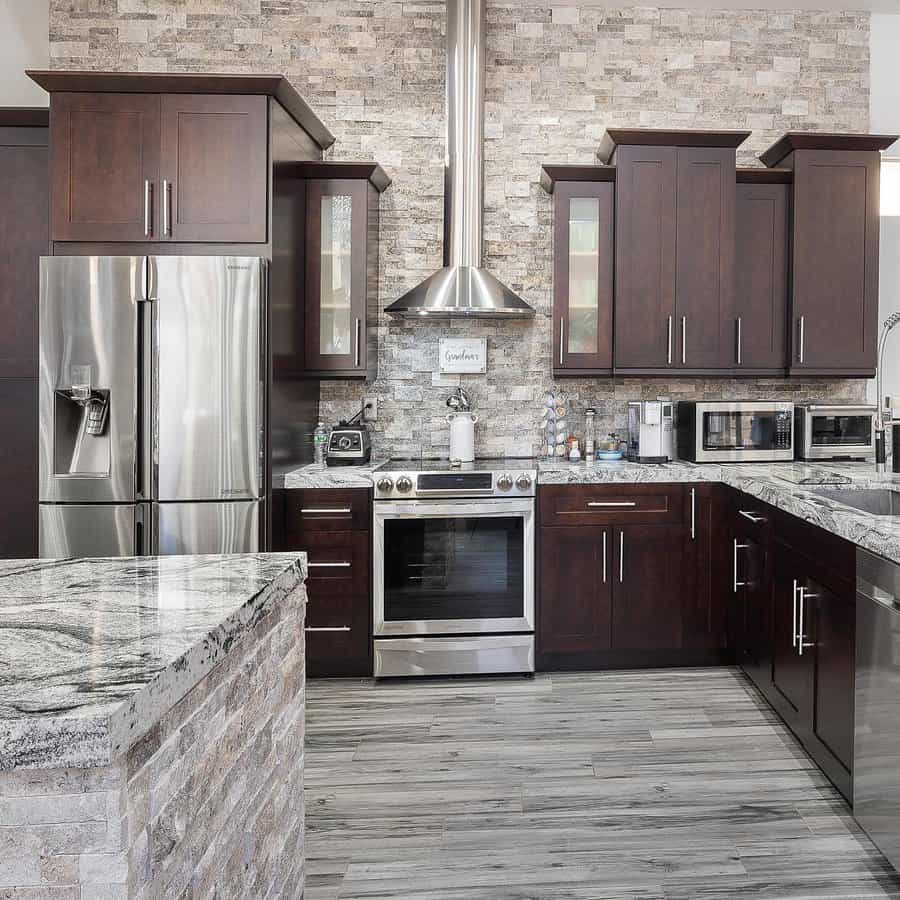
(409, 485)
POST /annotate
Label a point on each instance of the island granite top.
(94, 652)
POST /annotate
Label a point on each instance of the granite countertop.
(94, 652)
(318, 476)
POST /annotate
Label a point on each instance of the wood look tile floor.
(663, 785)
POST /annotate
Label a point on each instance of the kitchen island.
(151, 726)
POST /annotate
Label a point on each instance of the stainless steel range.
(454, 567)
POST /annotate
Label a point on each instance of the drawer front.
(606, 504)
(338, 563)
(326, 509)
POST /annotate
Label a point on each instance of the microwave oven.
(721, 431)
(824, 432)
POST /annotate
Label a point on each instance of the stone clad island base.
(187, 674)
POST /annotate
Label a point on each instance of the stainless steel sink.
(877, 501)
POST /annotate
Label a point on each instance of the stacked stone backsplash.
(557, 76)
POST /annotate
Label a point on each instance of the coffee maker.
(650, 431)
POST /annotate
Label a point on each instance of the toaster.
(349, 445)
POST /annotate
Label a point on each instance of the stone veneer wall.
(208, 803)
(556, 77)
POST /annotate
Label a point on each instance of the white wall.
(884, 117)
(24, 44)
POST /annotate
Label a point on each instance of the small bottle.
(589, 440)
(320, 443)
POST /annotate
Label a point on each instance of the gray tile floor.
(654, 784)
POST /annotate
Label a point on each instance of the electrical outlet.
(370, 409)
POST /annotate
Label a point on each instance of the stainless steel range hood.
(462, 288)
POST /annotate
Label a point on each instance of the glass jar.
(589, 437)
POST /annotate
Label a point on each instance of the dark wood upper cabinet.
(675, 232)
(104, 163)
(575, 611)
(761, 283)
(213, 175)
(24, 236)
(834, 298)
(645, 258)
(704, 273)
(583, 249)
(341, 253)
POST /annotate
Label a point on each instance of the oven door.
(454, 567)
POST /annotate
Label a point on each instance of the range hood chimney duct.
(462, 288)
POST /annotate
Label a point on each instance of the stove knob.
(385, 483)
(404, 484)
(523, 482)
(504, 481)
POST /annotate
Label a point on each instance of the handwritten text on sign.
(461, 355)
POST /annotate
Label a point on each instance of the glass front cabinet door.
(341, 277)
(583, 216)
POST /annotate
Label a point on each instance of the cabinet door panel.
(575, 594)
(104, 162)
(583, 276)
(647, 587)
(761, 276)
(792, 674)
(214, 151)
(645, 257)
(336, 211)
(705, 256)
(835, 272)
(835, 640)
(24, 238)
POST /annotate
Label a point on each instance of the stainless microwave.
(735, 430)
(834, 432)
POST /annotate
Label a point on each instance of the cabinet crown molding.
(664, 137)
(553, 172)
(807, 140)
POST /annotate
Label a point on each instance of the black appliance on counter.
(349, 444)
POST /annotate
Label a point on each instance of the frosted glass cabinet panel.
(336, 276)
(583, 277)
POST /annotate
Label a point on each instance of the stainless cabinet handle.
(335, 628)
(147, 220)
(683, 339)
(604, 557)
(739, 339)
(751, 516)
(356, 363)
(165, 205)
(669, 342)
(794, 616)
(802, 643)
(621, 556)
(693, 514)
(802, 336)
(738, 584)
(619, 503)
(336, 511)
(328, 565)
(562, 332)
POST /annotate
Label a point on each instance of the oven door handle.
(474, 507)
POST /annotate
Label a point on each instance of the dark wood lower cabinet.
(333, 527)
(576, 616)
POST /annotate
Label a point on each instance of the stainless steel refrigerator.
(152, 405)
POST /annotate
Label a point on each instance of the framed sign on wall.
(463, 355)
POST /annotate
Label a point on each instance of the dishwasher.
(876, 743)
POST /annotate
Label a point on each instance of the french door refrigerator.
(152, 405)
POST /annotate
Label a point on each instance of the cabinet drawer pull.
(802, 336)
(328, 565)
(669, 341)
(753, 517)
(794, 616)
(147, 202)
(356, 357)
(334, 628)
(802, 643)
(683, 339)
(737, 546)
(596, 503)
(167, 230)
(562, 332)
(693, 514)
(344, 510)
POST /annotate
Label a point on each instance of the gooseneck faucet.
(880, 446)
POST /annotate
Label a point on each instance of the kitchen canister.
(462, 436)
